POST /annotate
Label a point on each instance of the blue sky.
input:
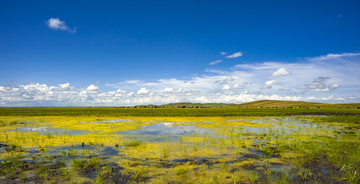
(105, 53)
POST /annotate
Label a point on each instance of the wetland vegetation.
(180, 145)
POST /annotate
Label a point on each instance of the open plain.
(180, 145)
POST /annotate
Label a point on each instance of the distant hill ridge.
(277, 103)
(263, 103)
(189, 104)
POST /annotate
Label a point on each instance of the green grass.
(257, 108)
(342, 119)
(215, 111)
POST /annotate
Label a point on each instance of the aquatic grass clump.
(345, 155)
(133, 143)
(253, 177)
(138, 173)
(181, 170)
(43, 173)
(283, 179)
(305, 174)
(9, 164)
(165, 153)
(351, 174)
(91, 163)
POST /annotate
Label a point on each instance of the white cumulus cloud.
(143, 91)
(57, 24)
(238, 86)
(280, 72)
(270, 83)
(92, 88)
(226, 87)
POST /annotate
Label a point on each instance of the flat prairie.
(180, 145)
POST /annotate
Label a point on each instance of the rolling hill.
(265, 104)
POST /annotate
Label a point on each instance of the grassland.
(180, 145)
(174, 112)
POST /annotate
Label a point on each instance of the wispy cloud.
(235, 55)
(215, 62)
(132, 81)
(335, 56)
(57, 24)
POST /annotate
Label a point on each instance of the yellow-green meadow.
(233, 149)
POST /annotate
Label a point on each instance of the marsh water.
(172, 149)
